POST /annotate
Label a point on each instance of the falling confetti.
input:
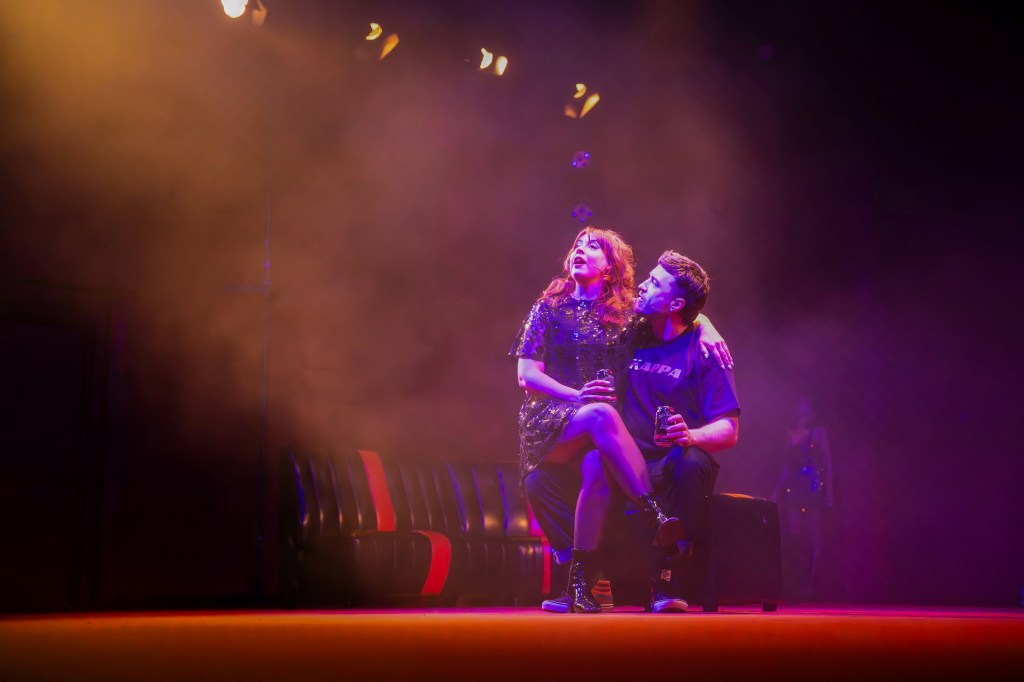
(487, 59)
(590, 104)
(375, 31)
(389, 44)
(591, 101)
(582, 213)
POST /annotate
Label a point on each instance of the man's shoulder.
(686, 342)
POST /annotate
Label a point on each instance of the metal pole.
(261, 505)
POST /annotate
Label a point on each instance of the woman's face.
(587, 261)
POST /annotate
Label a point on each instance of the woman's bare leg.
(601, 425)
(593, 503)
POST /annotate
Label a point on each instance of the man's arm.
(720, 434)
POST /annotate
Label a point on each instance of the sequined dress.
(566, 335)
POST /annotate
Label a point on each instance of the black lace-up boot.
(668, 529)
(581, 599)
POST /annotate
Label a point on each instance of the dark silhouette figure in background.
(804, 492)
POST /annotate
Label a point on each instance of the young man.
(669, 368)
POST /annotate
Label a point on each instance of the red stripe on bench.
(440, 562)
(378, 490)
(545, 581)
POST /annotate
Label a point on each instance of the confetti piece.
(581, 90)
(500, 65)
(487, 58)
(375, 31)
(582, 213)
(581, 159)
(590, 104)
(390, 43)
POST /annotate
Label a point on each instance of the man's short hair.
(691, 280)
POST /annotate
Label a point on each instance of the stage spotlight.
(234, 8)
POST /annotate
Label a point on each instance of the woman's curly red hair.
(615, 303)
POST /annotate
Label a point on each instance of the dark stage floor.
(826, 643)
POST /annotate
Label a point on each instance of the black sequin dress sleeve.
(567, 336)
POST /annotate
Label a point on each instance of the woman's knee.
(600, 417)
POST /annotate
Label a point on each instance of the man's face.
(659, 295)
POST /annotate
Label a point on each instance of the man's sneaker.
(602, 592)
(662, 603)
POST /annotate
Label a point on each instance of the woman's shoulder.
(636, 328)
(554, 303)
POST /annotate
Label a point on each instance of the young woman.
(577, 327)
(804, 492)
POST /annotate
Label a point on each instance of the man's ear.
(676, 304)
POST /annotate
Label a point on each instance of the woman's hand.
(597, 391)
(712, 342)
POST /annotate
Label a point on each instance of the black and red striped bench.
(359, 529)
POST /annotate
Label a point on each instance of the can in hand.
(605, 375)
(661, 418)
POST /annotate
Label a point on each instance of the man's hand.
(678, 432)
(720, 434)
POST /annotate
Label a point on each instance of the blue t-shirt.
(677, 374)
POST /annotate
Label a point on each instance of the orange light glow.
(569, 111)
(500, 66)
(390, 43)
(581, 90)
(375, 31)
(259, 14)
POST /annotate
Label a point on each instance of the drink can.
(605, 375)
(661, 418)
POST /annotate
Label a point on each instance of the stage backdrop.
(371, 229)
